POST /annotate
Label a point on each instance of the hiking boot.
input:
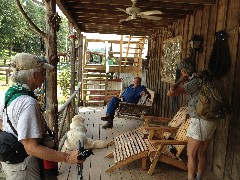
(109, 124)
(106, 118)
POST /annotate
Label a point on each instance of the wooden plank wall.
(224, 151)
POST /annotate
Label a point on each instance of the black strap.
(10, 123)
(8, 120)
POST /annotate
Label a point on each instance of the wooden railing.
(65, 110)
(5, 71)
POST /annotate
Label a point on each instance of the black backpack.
(11, 150)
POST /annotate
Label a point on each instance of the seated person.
(132, 94)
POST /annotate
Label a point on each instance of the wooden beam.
(102, 14)
(141, 4)
(206, 2)
(62, 6)
(110, 41)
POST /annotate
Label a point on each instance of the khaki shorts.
(27, 170)
(201, 129)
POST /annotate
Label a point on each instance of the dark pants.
(112, 106)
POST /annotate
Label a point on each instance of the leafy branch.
(34, 26)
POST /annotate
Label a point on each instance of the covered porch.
(94, 167)
(177, 23)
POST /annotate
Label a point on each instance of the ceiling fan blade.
(148, 13)
(151, 17)
(124, 20)
(121, 9)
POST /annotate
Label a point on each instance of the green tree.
(62, 35)
(15, 33)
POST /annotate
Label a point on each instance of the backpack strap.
(8, 120)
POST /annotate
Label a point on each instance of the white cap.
(24, 61)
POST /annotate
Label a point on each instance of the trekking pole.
(82, 154)
(79, 166)
(79, 172)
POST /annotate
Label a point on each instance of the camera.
(83, 153)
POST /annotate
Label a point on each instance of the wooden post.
(72, 37)
(120, 58)
(80, 66)
(84, 63)
(51, 56)
(106, 71)
(7, 75)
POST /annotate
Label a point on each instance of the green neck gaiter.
(15, 91)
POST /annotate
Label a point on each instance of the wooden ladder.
(94, 81)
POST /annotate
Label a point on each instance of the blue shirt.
(131, 94)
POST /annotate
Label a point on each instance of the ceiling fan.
(134, 12)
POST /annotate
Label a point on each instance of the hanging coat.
(220, 60)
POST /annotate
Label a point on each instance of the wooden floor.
(94, 167)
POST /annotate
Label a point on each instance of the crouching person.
(21, 116)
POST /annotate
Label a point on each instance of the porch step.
(94, 79)
(133, 48)
(94, 95)
(93, 84)
(93, 102)
(94, 70)
(93, 89)
(133, 52)
(94, 75)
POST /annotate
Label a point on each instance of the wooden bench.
(134, 144)
(143, 107)
(130, 146)
(159, 150)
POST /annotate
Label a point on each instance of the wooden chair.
(132, 145)
(152, 121)
(143, 107)
(169, 151)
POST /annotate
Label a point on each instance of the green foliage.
(15, 33)
(64, 80)
(3, 78)
(62, 34)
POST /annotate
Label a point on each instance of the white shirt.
(25, 115)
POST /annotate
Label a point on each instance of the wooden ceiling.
(103, 16)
